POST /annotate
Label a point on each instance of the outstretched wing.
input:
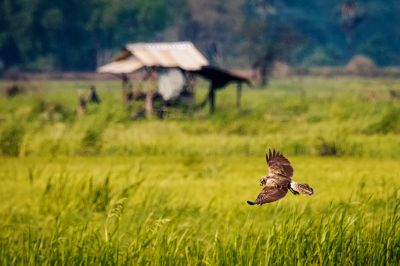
(269, 194)
(278, 164)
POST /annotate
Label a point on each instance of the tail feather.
(294, 191)
(251, 202)
(302, 188)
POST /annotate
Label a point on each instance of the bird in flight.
(279, 180)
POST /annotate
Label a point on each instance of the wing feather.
(270, 194)
(278, 164)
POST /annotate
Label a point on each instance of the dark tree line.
(73, 34)
(79, 35)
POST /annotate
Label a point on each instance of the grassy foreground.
(105, 190)
(174, 210)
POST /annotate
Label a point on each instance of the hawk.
(279, 180)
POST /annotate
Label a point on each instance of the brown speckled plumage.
(278, 181)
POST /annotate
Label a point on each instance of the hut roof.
(135, 56)
(122, 66)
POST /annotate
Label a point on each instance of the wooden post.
(211, 97)
(125, 89)
(192, 89)
(149, 104)
(238, 94)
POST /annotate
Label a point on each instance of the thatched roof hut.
(136, 56)
(175, 55)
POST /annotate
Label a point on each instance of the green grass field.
(104, 189)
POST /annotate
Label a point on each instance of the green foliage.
(344, 117)
(71, 35)
(91, 141)
(11, 138)
(51, 111)
(320, 56)
(389, 122)
(175, 218)
(79, 35)
(326, 148)
(103, 189)
(113, 217)
(100, 195)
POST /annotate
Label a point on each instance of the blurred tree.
(268, 39)
(75, 34)
(350, 17)
(79, 35)
(16, 18)
(213, 25)
(115, 23)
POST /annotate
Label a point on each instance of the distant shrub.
(339, 145)
(327, 148)
(361, 65)
(388, 123)
(91, 142)
(51, 111)
(14, 90)
(10, 140)
(297, 148)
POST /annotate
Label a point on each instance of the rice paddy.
(104, 189)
